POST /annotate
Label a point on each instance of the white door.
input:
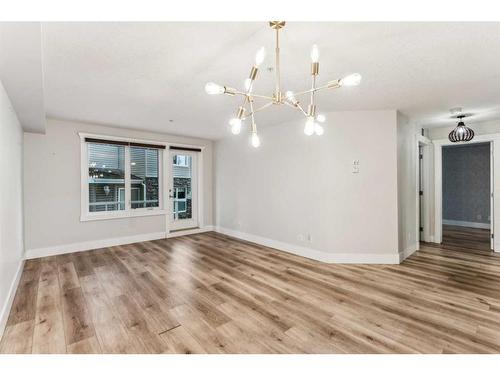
(183, 190)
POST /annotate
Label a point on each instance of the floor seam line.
(161, 333)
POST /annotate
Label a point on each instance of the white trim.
(124, 214)
(469, 224)
(84, 185)
(4, 313)
(105, 137)
(408, 251)
(201, 170)
(196, 192)
(90, 245)
(186, 232)
(322, 256)
(168, 181)
(426, 188)
(438, 184)
(423, 139)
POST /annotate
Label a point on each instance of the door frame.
(494, 186)
(426, 144)
(200, 188)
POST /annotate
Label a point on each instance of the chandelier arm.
(253, 95)
(254, 126)
(260, 96)
(258, 109)
(313, 90)
(301, 109)
(278, 78)
(296, 106)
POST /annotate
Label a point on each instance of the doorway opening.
(467, 197)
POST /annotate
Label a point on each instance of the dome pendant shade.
(461, 133)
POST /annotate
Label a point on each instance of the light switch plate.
(355, 166)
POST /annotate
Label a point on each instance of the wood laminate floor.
(466, 239)
(209, 293)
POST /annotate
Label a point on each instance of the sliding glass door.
(183, 190)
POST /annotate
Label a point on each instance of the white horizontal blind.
(106, 156)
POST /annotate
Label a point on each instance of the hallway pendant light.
(461, 133)
(247, 110)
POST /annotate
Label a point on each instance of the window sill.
(122, 215)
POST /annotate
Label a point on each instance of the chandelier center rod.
(278, 96)
(278, 78)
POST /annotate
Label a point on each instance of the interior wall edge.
(4, 313)
(11, 204)
(407, 252)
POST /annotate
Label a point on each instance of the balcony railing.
(117, 205)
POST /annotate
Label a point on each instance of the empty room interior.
(249, 187)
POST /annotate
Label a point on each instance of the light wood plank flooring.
(210, 293)
(466, 239)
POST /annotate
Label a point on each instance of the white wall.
(52, 190)
(407, 182)
(294, 186)
(11, 204)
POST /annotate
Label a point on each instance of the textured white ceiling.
(21, 72)
(142, 75)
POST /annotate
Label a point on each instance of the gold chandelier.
(247, 110)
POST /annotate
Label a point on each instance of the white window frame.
(86, 215)
(196, 221)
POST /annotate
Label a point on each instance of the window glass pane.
(182, 170)
(181, 160)
(181, 193)
(182, 206)
(106, 177)
(144, 177)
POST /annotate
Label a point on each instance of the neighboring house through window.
(117, 169)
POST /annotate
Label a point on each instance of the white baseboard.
(322, 256)
(4, 313)
(207, 228)
(469, 224)
(90, 245)
(407, 252)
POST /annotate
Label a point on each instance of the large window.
(120, 179)
(106, 177)
(144, 177)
